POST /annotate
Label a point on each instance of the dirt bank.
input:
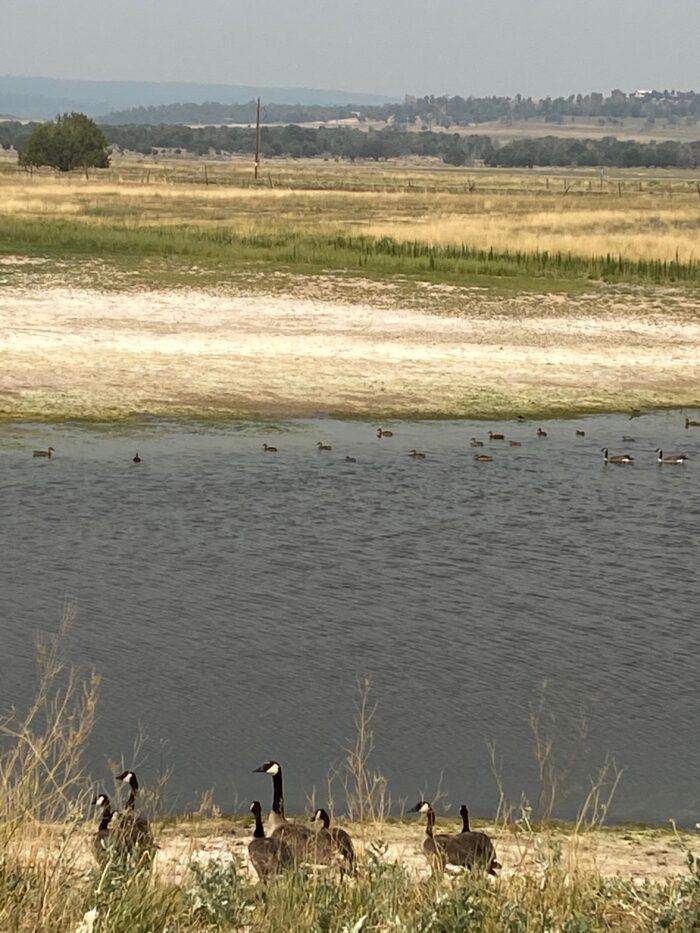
(84, 353)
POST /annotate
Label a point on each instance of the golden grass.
(634, 214)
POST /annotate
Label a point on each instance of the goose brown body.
(269, 855)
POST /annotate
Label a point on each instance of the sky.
(393, 47)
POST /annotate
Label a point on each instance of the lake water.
(230, 600)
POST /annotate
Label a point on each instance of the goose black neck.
(277, 796)
(430, 823)
(106, 817)
(131, 802)
(465, 822)
(325, 819)
(259, 832)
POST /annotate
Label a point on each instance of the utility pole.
(257, 140)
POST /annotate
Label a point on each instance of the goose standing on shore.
(103, 837)
(669, 458)
(483, 847)
(306, 845)
(460, 849)
(269, 855)
(133, 827)
(340, 838)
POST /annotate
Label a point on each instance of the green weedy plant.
(219, 895)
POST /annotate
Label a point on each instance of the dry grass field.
(652, 215)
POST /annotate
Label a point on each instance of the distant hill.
(43, 98)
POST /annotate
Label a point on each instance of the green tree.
(71, 141)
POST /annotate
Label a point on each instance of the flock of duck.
(288, 844)
(619, 459)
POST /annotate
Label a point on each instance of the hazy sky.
(463, 47)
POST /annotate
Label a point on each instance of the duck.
(475, 443)
(616, 458)
(103, 837)
(136, 458)
(351, 459)
(580, 433)
(482, 843)
(496, 437)
(461, 849)
(269, 450)
(541, 433)
(269, 855)
(670, 458)
(416, 454)
(133, 827)
(341, 838)
(322, 446)
(43, 453)
(306, 845)
(692, 424)
(483, 458)
(382, 433)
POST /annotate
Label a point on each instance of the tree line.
(431, 110)
(36, 144)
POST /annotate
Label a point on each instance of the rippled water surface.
(230, 599)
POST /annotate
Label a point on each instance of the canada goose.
(351, 459)
(382, 433)
(269, 855)
(616, 458)
(496, 437)
(133, 827)
(520, 418)
(305, 844)
(459, 849)
(341, 839)
(635, 413)
(515, 443)
(269, 450)
(483, 458)
(670, 458)
(626, 439)
(580, 433)
(474, 443)
(486, 853)
(416, 454)
(541, 433)
(103, 836)
(322, 446)
(692, 424)
(43, 453)
(136, 459)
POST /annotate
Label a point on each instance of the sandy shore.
(642, 854)
(84, 353)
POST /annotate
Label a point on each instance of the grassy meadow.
(530, 228)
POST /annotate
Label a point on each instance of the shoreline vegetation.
(580, 877)
(364, 291)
